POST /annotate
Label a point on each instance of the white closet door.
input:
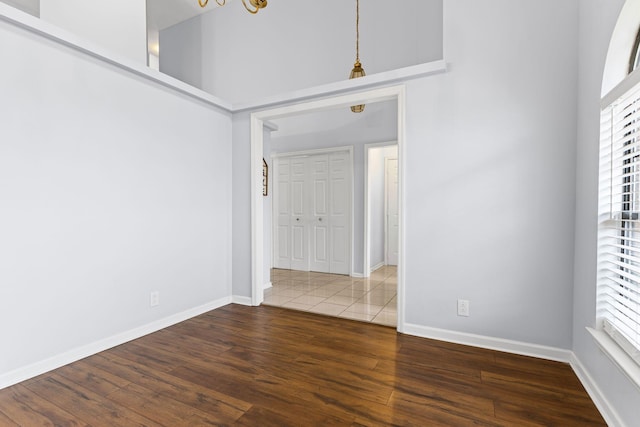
(282, 208)
(340, 213)
(312, 201)
(318, 167)
(299, 215)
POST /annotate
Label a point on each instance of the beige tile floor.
(373, 299)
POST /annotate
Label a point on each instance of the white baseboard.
(268, 285)
(599, 399)
(357, 275)
(237, 299)
(499, 344)
(39, 368)
(377, 266)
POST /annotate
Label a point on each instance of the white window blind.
(618, 299)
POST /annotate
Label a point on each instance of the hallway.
(372, 299)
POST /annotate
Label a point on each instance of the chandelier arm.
(203, 3)
(247, 7)
(220, 4)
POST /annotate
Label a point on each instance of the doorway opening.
(395, 94)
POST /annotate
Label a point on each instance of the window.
(618, 299)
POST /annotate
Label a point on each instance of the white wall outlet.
(154, 298)
(463, 307)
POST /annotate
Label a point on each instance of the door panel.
(298, 220)
(339, 214)
(319, 200)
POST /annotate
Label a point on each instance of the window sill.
(617, 355)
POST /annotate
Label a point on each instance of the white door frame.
(341, 101)
(367, 208)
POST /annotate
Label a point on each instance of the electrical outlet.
(154, 298)
(463, 307)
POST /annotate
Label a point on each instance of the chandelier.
(256, 4)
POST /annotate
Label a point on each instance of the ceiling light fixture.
(256, 4)
(357, 71)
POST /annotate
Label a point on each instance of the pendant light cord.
(357, 30)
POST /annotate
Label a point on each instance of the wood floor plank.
(172, 387)
(268, 366)
(85, 404)
(7, 422)
(24, 408)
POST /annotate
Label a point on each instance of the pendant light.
(357, 71)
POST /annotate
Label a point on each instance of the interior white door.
(318, 167)
(299, 216)
(340, 213)
(391, 205)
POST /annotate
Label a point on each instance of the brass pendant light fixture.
(256, 4)
(357, 71)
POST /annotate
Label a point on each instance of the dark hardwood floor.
(268, 366)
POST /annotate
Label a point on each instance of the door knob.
(297, 219)
(320, 219)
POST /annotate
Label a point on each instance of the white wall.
(176, 54)
(295, 44)
(117, 25)
(490, 174)
(597, 20)
(111, 187)
(241, 205)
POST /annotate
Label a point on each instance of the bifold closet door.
(312, 197)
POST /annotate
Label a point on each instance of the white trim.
(620, 89)
(617, 355)
(267, 285)
(402, 197)
(327, 150)
(344, 100)
(605, 408)
(79, 44)
(238, 299)
(57, 361)
(257, 226)
(377, 266)
(357, 275)
(366, 82)
(491, 343)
